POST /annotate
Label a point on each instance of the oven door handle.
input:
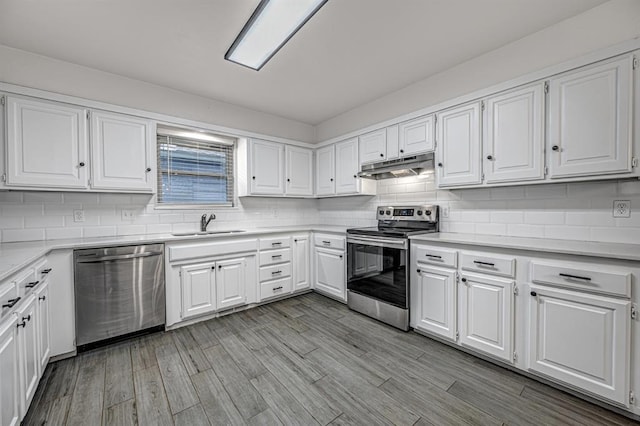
(379, 242)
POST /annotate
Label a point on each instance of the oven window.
(378, 272)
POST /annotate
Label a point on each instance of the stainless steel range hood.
(400, 167)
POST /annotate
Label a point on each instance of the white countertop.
(15, 256)
(580, 248)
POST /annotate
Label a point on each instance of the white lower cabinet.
(435, 310)
(301, 262)
(9, 371)
(44, 329)
(329, 266)
(582, 340)
(212, 286)
(28, 352)
(487, 315)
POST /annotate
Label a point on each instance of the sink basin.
(192, 233)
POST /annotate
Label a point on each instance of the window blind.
(193, 171)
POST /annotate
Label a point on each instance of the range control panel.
(423, 213)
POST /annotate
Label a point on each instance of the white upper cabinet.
(325, 170)
(121, 152)
(416, 136)
(459, 146)
(267, 171)
(373, 146)
(514, 135)
(299, 171)
(347, 166)
(393, 142)
(46, 144)
(590, 120)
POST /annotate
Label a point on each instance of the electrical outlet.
(128, 214)
(445, 211)
(78, 215)
(622, 208)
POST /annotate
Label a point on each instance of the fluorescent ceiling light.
(271, 25)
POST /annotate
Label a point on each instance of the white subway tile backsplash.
(158, 228)
(544, 217)
(461, 227)
(11, 222)
(43, 197)
(590, 218)
(522, 230)
(12, 235)
(491, 228)
(22, 210)
(99, 231)
(564, 232)
(130, 230)
(507, 216)
(615, 235)
(507, 193)
(60, 233)
(545, 191)
(80, 198)
(48, 221)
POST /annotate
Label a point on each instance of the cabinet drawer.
(329, 241)
(270, 257)
(210, 249)
(275, 271)
(275, 288)
(8, 296)
(437, 256)
(275, 243)
(586, 277)
(488, 264)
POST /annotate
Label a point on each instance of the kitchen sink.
(190, 234)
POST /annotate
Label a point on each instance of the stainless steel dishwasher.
(118, 291)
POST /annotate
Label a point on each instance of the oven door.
(377, 267)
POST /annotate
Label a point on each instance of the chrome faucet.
(204, 222)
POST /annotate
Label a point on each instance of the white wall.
(31, 70)
(613, 22)
(575, 211)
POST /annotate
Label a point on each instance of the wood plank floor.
(306, 360)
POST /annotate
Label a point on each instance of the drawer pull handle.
(480, 263)
(279, 243)
(534, 294)
(276, 272)
(21, 324)
(433, 256)
(276, 256)
(576, 277)
(277, 288)
(42, 298)
(28, 318)
(12, 303)
(32, 284)
(46, 271)
(326, 242)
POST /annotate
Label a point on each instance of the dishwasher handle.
(119, 257)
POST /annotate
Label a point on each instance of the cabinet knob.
(213, 267)
(381, 155)
(288, 180)
(81, 164)
(402, 151)
(464, 280)
(533, 293)
(219, 266)
(439, 164)
(295, 241)
(555, 147)
(418, 270)
(489, 157)
(355, 176)
(331, 179)
(148, 169)
(340, 256)
(254, 178)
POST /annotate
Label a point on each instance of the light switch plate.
(622, 208)
(128, 214)
(445, 211)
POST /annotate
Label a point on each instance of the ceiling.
(351, 52)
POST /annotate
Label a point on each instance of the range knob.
(388, 212)
(381, 212)
(419, 212)
(427, 212)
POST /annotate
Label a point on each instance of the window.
(194, 168)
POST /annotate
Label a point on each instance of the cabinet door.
(459, 146)
(330, 273)
(582, 340)
(10, 383)
(373, 146)
(230, 283)
(301, 262)
(416, 136)
(44, 334)
(28, 353)
(121, 152)
(514, 136)
(486, 315)
(325, 171)
(590, 120)
(299, 173)
(46, 145)
(267, 167)
(347, 167)
(198, 289)
(436, 304)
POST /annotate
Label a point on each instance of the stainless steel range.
(378, 262)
